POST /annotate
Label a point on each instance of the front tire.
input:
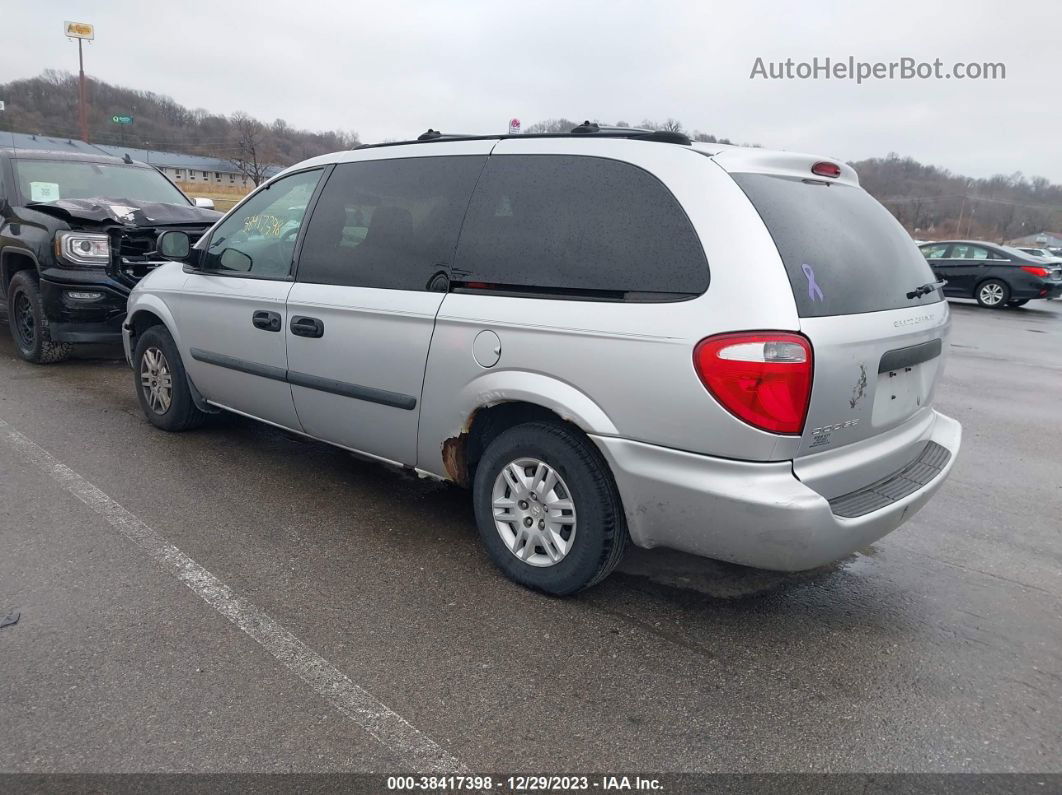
(28, 323)
(993, 294)
(547, 508)
(161, 383)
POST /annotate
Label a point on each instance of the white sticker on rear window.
(44, 191)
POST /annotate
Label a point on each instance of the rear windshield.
(845, 254)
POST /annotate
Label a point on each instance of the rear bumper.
(755, 514)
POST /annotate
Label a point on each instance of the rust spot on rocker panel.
(455, 460)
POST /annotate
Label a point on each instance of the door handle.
(267, 321)
(302, 326)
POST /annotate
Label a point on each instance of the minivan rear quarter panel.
(630, 363)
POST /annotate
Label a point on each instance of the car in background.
(996, 276)
(77, 232)
(1043, 253)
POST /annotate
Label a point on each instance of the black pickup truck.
(77, 232)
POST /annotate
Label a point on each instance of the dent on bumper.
(755, 514)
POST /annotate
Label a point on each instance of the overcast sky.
(392, 69)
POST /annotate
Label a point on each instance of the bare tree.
(254, 155)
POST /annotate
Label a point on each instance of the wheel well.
(13, 262)
(462, 453)
(141, 322)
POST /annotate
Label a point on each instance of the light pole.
(81, 31)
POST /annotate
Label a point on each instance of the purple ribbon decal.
(814, 293)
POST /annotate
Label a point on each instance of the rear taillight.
(762, 378)
(1035, 271)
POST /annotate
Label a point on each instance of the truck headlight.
(83, 248)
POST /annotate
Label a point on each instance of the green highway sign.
(122, 119)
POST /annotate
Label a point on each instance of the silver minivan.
(609, 336)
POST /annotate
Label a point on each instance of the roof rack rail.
(586, 129)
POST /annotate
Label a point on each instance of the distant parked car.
(995, 275)
(1043, 253)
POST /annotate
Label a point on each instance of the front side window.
(934, 252)
(45, 181)
(391, 224)
(259, 237)
(578, 226)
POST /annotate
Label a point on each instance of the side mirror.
(174, 244)
(206, 204)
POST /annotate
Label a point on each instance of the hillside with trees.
(47, 105)
(930, 202)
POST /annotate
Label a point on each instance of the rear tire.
(558, 495)
(162, 384)
(992, 294)
(28, 323)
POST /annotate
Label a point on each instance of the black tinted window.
(388, 223)
(843, 251)
(570, 224)
(259, 237)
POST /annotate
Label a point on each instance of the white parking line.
(392, 730)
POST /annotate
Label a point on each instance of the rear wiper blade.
(926, 289)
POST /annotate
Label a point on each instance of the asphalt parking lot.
(937, 649)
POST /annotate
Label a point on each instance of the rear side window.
(963, 251)
(577, 226)
(844, 253)
(391, 224)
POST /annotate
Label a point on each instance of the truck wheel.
(161, 383)
(29, 326)
(993, 294)
(547, 508)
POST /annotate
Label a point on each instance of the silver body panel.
(214, 315)
(690, 474)
(373, 338)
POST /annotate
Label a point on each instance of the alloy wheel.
(534, 512)
(156, 380)
(992, 294)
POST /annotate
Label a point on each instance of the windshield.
(51, 180)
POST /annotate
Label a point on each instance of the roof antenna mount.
(586, 128)
(126, 158)
(430, 135)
